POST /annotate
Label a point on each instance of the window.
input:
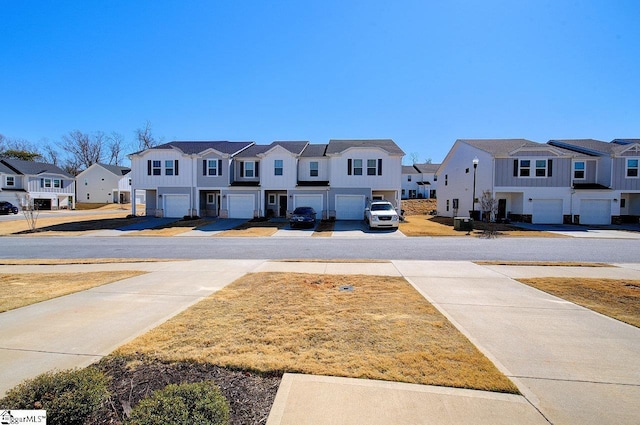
(168, 168)
(632, 168)
(446, 181)
(371, 167)
(157, 170)
(313, 169)
(211, 198)
(578, 170)
(47, 182)
(541, 168)
(129, 182)
(525, 168)
(88, 196)
(623, 203)
(403, 192)
(212, 167)
(86, 182)
(277, 167)
(10, 181)
(272, 199)
(249, 169)
(447, 205)
(357, 167)
(57, 184)
(409, 178)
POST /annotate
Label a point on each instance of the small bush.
(199, 403)
(70, 397)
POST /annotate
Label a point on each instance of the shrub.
(70, 397)
(199, 403)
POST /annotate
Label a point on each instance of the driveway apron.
(576, 366)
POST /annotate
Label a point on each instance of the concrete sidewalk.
(572, 365)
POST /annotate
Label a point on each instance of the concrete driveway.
(359, 229)
(622, 231)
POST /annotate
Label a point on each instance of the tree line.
(76, 151)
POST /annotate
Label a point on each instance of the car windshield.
(381, 207)
(304, 210)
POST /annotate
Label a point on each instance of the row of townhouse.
(419, 181)
(247, 180)
(581, 181)
(48, 186)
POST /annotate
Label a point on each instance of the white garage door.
(176, 205)
(547, 211)
(313, 201)
(241, 206)
(349, 207)
(595, 211)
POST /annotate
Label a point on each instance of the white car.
(381, 215)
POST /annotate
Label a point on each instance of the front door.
(502, 209)
(282, 206)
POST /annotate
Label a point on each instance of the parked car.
(381, 214)
(8, 208)
(303, 216)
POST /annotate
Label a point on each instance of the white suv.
(381, 214)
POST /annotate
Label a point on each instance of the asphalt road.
(273, 248)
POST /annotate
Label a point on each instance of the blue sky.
(423, 73)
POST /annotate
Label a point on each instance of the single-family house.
(99, 183)
(529, 181)
(48, 186)
(605, 181)
(245, 180)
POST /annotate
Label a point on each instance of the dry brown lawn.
(543, 263)
(619, 299)
(174, 228)
(21, 289)
(427, 225)
(277, 322)
(61, 261)
(324, 229)
(255, 229)
(70, 224)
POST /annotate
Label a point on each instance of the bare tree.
(84, 150)
(415, 157)
(145, 138)
(115, 147)
(50, 155)
(489, 206)
(29, 210)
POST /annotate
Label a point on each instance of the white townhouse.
(245, 180)
(47, 185)
(419, 181)
(99, 183)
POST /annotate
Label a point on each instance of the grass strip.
(542, 263)
(372, 327)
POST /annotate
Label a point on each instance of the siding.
(620, 181)
(561, 175)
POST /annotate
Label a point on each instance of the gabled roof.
(427, 167)
(586, 146)
(33, 168)
(6, 170)
(253, 151)
(191, 148)
(116, 169)
(295, 147)
(409, 169)
(314, 150)
(625, 141)
(500, 147)
(339, 146)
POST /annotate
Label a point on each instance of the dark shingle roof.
(116, 169)
(294, 147)
(253, 151)
(197, 147)
(33, 167)
(585, 146)
(625, 141)
(338, 146)
(314, 150)
(503, 147)
(6, 170)
(427, 168)
(409, 169)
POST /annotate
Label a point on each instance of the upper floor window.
(248, 169)
(212, 167)
(57, 183)
(157, 168)
(168, 168)
(532, 168)
(129, 182)
(578, 170)
(409, 178)
(632, 167)
(10, 181)
(277, 167)
(45, 182)
(313, 169)
(356, 167)
(372, 168)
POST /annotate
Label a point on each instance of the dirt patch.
(61, 261)
(542, 263)
(255, 228)
(71, 224)
(324, 228)
(418, 206)
(250, 395)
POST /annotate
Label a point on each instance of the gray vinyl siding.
(590, 172)
(67, 185)
(620, 181)
(213, 181)
(560, 177)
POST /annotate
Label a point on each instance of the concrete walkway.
(572, 365)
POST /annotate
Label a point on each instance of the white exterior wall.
(455, 183)
(304, 167)
(391, 177)
(140, 179)
(289, 177)
(410, 185)
(124, 184)
(98, 183)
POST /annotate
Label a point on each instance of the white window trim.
(253, 169)
(6, 181)
(156, 168)
(272, 199)
(57, 184)
(627, 168)
(584, 170)
(210, 168)
(169, 167)
(533, 168)
(354, 167)
(312, 169)
(211, 198)
(276, 168)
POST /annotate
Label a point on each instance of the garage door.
(313, 201)
(241, 206)
(349, 207)
(547, 211)
(176, 205)
(595, 211)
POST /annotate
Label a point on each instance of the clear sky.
(423, 73)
